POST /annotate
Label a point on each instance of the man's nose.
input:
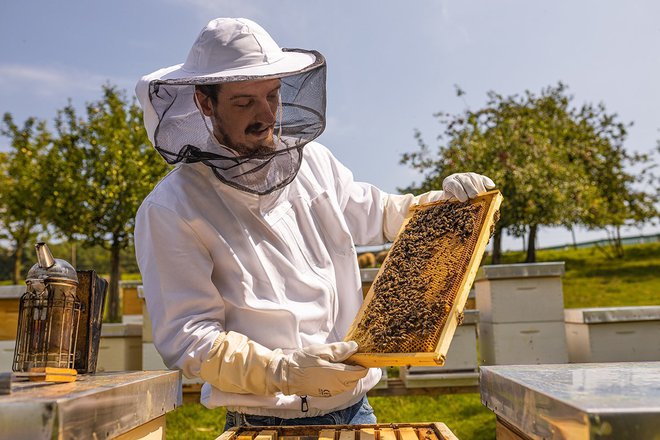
(267, 114)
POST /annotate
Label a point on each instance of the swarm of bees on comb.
(421, 277)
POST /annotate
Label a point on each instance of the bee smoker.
(49, 315)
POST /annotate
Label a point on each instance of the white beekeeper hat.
(230, 50)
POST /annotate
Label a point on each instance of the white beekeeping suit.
(248, 261)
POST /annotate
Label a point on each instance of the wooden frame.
(437, 357)
(389, 431)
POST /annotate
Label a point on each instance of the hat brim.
(293, 62)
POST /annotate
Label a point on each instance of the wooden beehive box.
(399, 431)
(417, 298)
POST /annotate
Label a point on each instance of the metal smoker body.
(49, 315)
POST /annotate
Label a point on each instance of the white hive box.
(460, 368)
(6, 355)
(120, 348)
(520, 292)
(522, 343)
(613, 334)
(521, 314)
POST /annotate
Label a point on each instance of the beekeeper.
(247, 247)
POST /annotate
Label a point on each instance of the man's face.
(245, 114)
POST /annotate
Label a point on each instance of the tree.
(22, 189)
(621, 203)
(555, 164)
(101, 169)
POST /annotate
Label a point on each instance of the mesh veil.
(184, 134)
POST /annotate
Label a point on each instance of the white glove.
(464, 186)
(316, 370)
(239, 365)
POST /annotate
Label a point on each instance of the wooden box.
(613, 334)
(522, 343)
(131, 303)
(120, 348)
(147, 335)
(417, 298)
(520, 292)
(10, 297)
(390, 431)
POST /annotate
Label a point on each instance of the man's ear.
(205, 103)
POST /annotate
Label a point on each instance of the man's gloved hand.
(464, 186)
(317, 370)
(237, 364)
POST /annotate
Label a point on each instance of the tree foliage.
(556, 164)
(100, 169)
(22, 189)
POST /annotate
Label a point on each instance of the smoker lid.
(60, 271)
(49, 268)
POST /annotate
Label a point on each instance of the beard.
(262, 147)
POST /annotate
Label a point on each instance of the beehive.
(400, 431)
(417, 298)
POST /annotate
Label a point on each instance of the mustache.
(257, 127)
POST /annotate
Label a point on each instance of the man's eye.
(243, 103)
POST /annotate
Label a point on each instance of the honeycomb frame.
(436, 344)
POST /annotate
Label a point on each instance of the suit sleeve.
(373, 216)
(186, 309)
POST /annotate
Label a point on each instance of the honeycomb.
(424, 272)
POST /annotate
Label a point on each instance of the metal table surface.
(98, 406)
(576, 401)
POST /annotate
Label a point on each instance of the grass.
(462, 413)
(192, 421)
(591, 280)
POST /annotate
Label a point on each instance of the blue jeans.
(358, 414)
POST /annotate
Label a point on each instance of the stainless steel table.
(574, 401)
(126, 405)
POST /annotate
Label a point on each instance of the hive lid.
(596, 315)
(621, 399)
(524, 270)
(14, 291)
(417, 298)
(118, 330)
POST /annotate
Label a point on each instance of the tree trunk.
(531, 245)
(18, 262)
(573, 236)
(497, 246)
(114, 314)
(618, 249)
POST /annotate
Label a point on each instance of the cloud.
(53, 81)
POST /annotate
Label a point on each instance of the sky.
(391, 64)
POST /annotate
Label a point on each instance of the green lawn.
(591, 280)
(462, 413)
